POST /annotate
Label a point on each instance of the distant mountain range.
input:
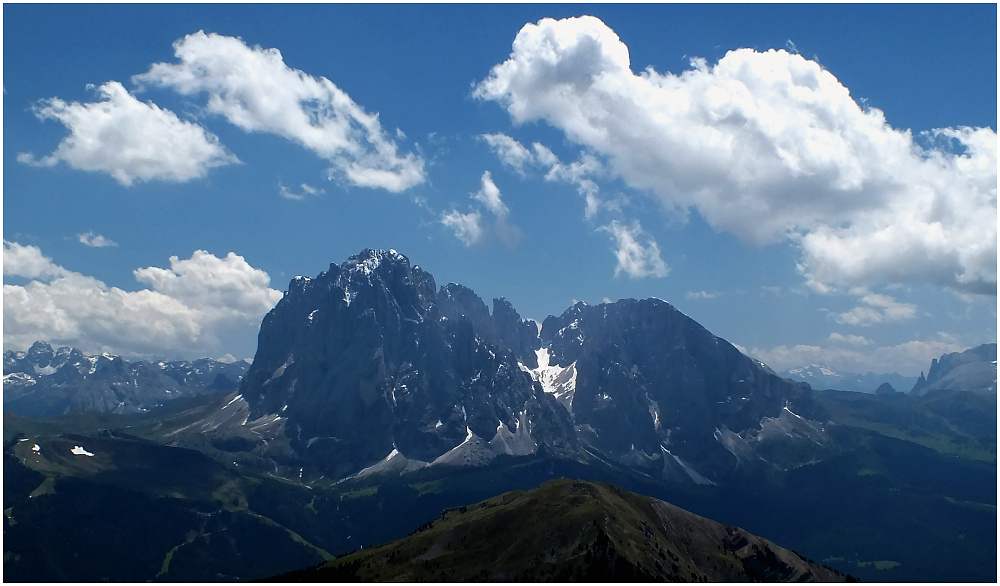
(822, 377)
(572, 531)
(43, 381)
(974, 370)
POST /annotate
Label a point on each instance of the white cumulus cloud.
(186, 310)
(767, 145)
(130, 140)
(254, 89)
(28, 262)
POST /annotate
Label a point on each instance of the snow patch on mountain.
(80, 451)
(558, 381)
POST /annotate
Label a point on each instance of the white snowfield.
(80, 451)
(558, 381)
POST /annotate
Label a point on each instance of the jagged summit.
(369, 358)
(973, 370)
(371, 259)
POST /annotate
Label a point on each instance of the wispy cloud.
(849, 339)
(95, 240)
(876, 309)
(470, 228)
(305, 190)
(465, 226)
(519, 158)
(489, 195)
(907, 358)
(637, 253)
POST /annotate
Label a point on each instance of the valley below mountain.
(377, 399)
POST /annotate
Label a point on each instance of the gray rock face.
(368, 359)
(373, 370)
(45, 382)
(504, 328)
(369, 368)
(655, 389)
(974, 370)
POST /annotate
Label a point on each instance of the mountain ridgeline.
(372, 368)
(576, 531)
(974, 370)
(44, 382)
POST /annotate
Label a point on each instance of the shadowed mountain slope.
(572, 530)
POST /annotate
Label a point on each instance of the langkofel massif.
(369, 367)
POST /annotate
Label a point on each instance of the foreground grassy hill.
(572, 530)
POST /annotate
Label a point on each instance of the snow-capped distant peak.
(813, 370)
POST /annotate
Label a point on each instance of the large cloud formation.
(768, 146)
(130, 140)
(189, 306)
(254, 90)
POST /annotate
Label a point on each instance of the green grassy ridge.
(570, 530)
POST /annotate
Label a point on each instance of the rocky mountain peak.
(40, 353)
(973, 370)
(371, 369)
(368, 362)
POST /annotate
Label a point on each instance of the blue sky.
(812, 183)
